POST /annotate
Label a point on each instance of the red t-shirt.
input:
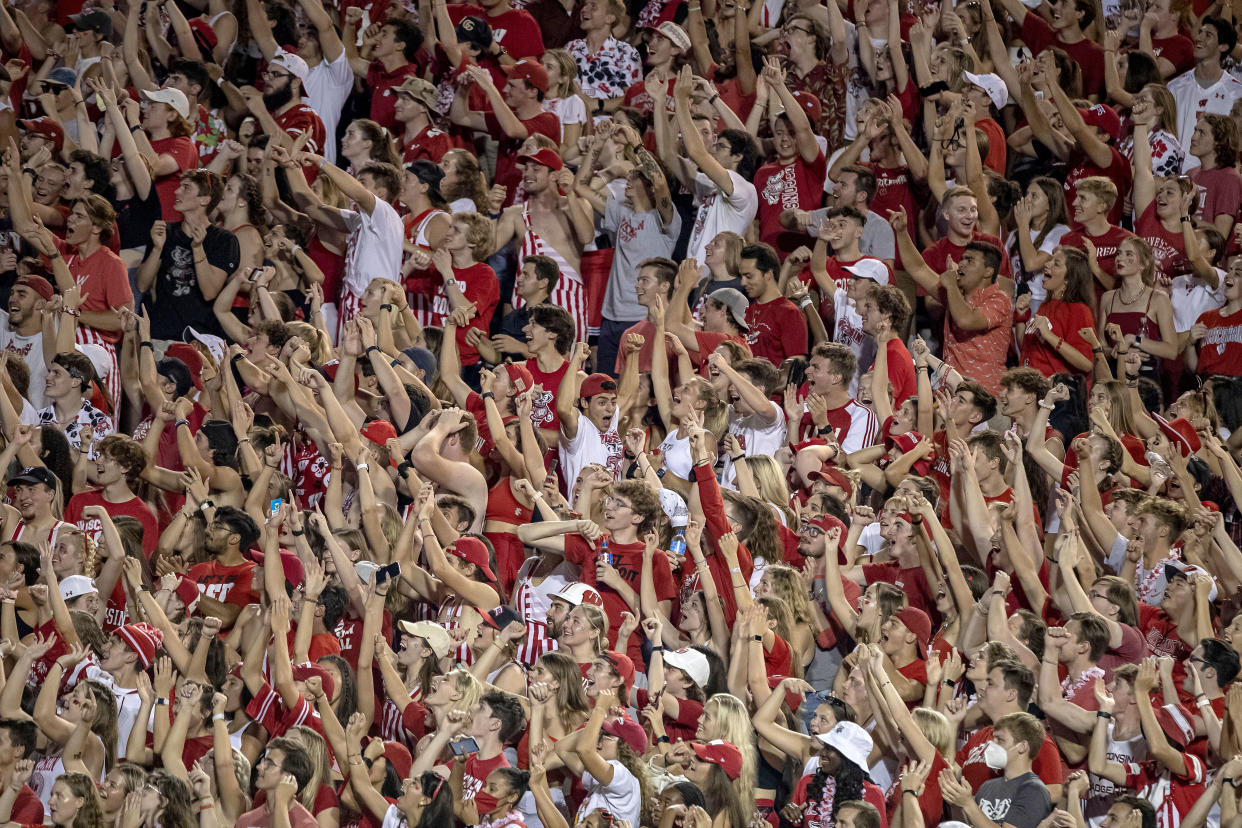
(479, 285)
(27, 808)
(1067, 319)
(912, 581)
(135, 507)
(1117, 171)
(298, 119)
(104, 281)
(1089, 55)
(382, 84)
(901, 371)
(793, 186)
(1106, 246)
(1178, 50)
(685, 725)
(543, 415)
(627, 559)
(1220, 350)
(228, 584)
(183, 151)
(430, 145)
(1167, 246)
(776, 330)
(892, 190)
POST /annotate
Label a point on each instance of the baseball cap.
(992, 84)
(720, 752)
(436, 636)
(544, 157)
(62, 75)
(579, 593)
(675, 34)
(291, 62)
(46, 128)
(623, 664)
(33, 476)
(917, 622)
(93, 20)
(530, 71)
(1181, 434)
(175, 98)
(472, 550)
(597, 384)
(675, 508)
(204, 35)
(520, 376)
(301, 672)
(292, 566)
(1104, 117)
(1181, 569)
(811, 104)
(907, 442)
(75, 586)
(867, 268)
(628, 731)
(735, 301)
(38, 284)
(831, 474)
(191, 358)
(214, 344)
(474, 31)
(691, 662)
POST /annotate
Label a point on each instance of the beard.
(275, 99)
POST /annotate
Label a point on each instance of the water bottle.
(604, 555)
(678, 544)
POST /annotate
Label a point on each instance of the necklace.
(1122, 294)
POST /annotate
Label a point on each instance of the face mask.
(994, 756)
(485, 803)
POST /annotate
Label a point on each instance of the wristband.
(1097, 350)
(31, 171)
(146, 343)
(181, 423)
(735, 569)
(914, 794)
(386, 306)
(629, 455)
(297, 533)
(1046, 405)
(404, 468)
(658, 649)
(758, 638)
(739, 458)
(949, 683)
(363, 467)
(135, 128)
(488, 395)
(219, 717)
(159, 702)
(373, 347)
(1203, 704)
(1100, 714)
(663, 740)
(205, 505)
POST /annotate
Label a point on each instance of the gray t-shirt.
(635, 237)
(877, 238)
(1023, 801)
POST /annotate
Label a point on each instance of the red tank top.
(503, 505)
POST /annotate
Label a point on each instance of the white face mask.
(995, 756)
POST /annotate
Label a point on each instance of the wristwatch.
(448, 283)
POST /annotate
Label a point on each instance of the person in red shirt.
(412, 108)
(515, 30)
(515, 115)
(1065, 32)
(895, 169)
(227, 580)
(18, 739)
(775, 327)
(468, 279)
(1068, 673)
(116, 470)
(165, 135)
(1093, 203)
(1053, 342)
(1218, 333)
(393, 55)
(795, 180)
(885, 311)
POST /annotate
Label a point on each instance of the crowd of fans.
(657, 414)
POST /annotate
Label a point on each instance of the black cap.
(475, 31)
(34, 475)
(429, 173)
(93, 20)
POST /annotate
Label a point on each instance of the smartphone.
(797, 373)
(552, 466)
(276, 504)
(464, 746)
(502, 617)
(393, 570)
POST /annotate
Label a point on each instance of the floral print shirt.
(608, 72)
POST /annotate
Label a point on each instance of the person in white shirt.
(1207, 87)
(755, 422)
(718, 169)
(21, 332)
(1194, 294)
(373, 249)
(589, 409)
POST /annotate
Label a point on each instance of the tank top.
(503, 505)
(1137, 323)
(533, 601)
(676, 453)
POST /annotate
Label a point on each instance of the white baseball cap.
(691, 662)
(75, 586)
(867, 268)
(579, 593)
(173, 97)
(992, 84)
(288, 60)
(436, 636)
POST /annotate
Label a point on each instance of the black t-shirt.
(176, 300)
(134, 217)
(512, 324)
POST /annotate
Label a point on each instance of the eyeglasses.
(268, 73)
(798, 29)
(616, 503)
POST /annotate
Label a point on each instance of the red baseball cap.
(38, 284)
(520, 376)
(532, 72)
(623, 664)
(301, 672)
(907, 442)
(1104, 117)
(544, 157)
(294, 573)
(597, 384)
(472, 550)
(398, 755)
(47, 128)
(831, 474)
(629, 731)
(192, 359)
(917, 622)
(720, 752)
(1181, 434)
(811, 106)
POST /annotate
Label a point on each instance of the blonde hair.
(568, 67)
(315, 339)
(770, 480)
(321, 762)
(732, 723)
(787, 585)
(937, 730)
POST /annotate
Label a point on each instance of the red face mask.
(485, 803)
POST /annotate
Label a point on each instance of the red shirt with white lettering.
(135, 507)
(793, 186)
(228, 584)
(1220, 350)
(776, 330)
(892, 190)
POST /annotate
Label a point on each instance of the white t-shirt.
(1193, 100)
(127, 703)
(30, 348)
(327, 86)
(1035, 281)
(1192, 297)
(757, 437)
(589, 446)
(622, 797)
(569, 109)
(374, 247)
(718, 212)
